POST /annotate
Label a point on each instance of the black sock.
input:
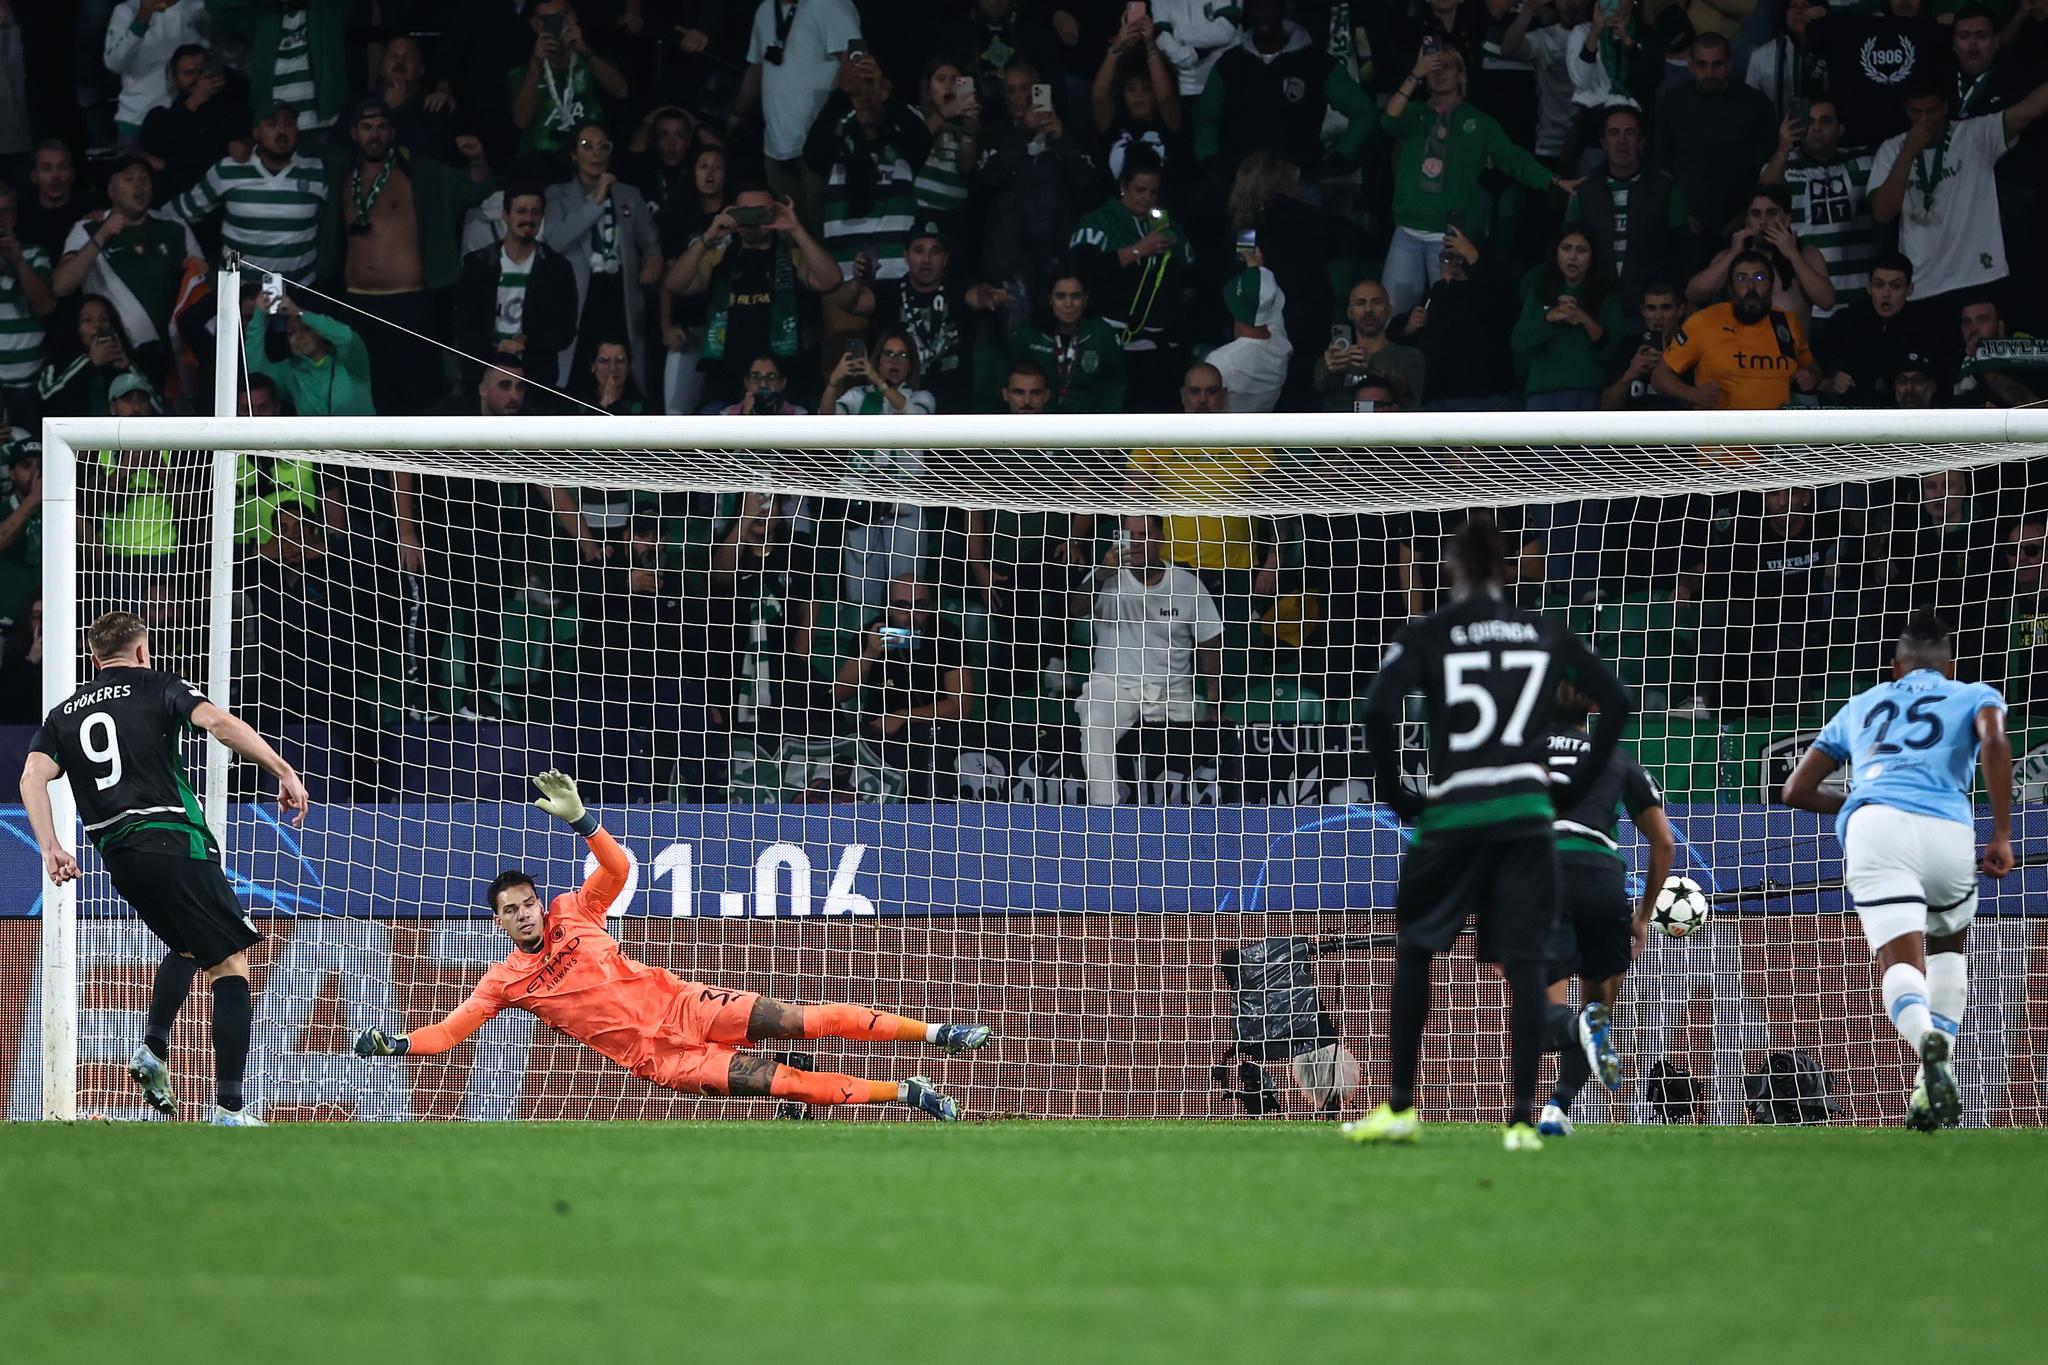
(1528, 1007)
(1573, 1071)
(230, 1038)
(173, 983)
(1561, 1031)
(1409, 1010)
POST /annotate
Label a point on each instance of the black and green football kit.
(117, 739)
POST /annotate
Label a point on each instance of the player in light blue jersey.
(1908, 832)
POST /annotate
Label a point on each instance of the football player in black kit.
(117, 740)
(1484, 848)
(1597, 935)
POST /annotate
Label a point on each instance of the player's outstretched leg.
(779, 1019)
(752, 1074)
(150, 1068)
(231, 1012)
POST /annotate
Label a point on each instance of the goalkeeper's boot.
(1596, 1036)
(1384, 1124)
(1944, 1100)
(147, 1070)
(920, 1093)
(1520, 1137)
(1554, 1122)
(1919, 1116)
(963, 1037)
(235, 1118)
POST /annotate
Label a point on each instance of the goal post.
(1109, 940)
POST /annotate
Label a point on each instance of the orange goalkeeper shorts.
(704, 1028)
(701, 1070)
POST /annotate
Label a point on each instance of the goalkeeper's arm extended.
(559, 798)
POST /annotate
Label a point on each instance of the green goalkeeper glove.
(559, 798)
(375, 1042)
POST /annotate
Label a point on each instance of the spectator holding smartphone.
(885, 539)
(563, 82)
(1570, 324)
(1461, 332)
(758, 269)
(1830, 195)
(1361, 346)
(1630, 390)
(89, 354)
(1136, 260)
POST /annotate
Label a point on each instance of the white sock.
(931, 1033)
(1948, 991)
(1905, 1000)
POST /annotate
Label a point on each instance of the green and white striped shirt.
(272, 217)
(1831, 211)
(884, 228)
(21, 332)
(941, 180)
(295, 68)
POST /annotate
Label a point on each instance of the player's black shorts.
(1508, 885)
(185, 902)
(1591, 940)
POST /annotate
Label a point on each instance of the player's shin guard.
(230, 1039)
(1905, 1001)
(859, 1022)
(173, 983)
(1948, 991)
(830, 1087)
(1408, 1011)
(1528, 1006)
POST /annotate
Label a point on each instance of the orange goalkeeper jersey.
(580, 983)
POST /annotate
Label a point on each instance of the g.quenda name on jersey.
(1491, 632)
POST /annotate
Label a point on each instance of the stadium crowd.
(945, 206)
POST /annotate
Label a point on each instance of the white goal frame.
(1740, 445)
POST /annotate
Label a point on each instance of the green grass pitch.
(1027, 1241)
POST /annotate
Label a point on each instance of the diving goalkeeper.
(567, 971)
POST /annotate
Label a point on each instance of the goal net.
(1049, 723)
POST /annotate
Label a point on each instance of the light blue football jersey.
(1911, 744)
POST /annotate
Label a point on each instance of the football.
(1682, 908)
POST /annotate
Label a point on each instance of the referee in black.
(117, 739)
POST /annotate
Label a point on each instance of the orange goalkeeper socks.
(859, 1022)
(829, 1087)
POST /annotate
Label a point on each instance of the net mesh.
(907, 728)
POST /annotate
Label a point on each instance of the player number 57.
(1531, 663)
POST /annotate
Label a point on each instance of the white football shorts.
(1909, 873)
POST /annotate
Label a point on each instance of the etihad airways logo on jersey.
(96, 696)
(1493, 632)
(554, 968)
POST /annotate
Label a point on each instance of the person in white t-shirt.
(1935, 179)
(1254, 362)
(793, 59)
(1156, 633)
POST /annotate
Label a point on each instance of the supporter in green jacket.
(1443, 145)
(1082, 356)
(326, 368)
(1569, 326)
